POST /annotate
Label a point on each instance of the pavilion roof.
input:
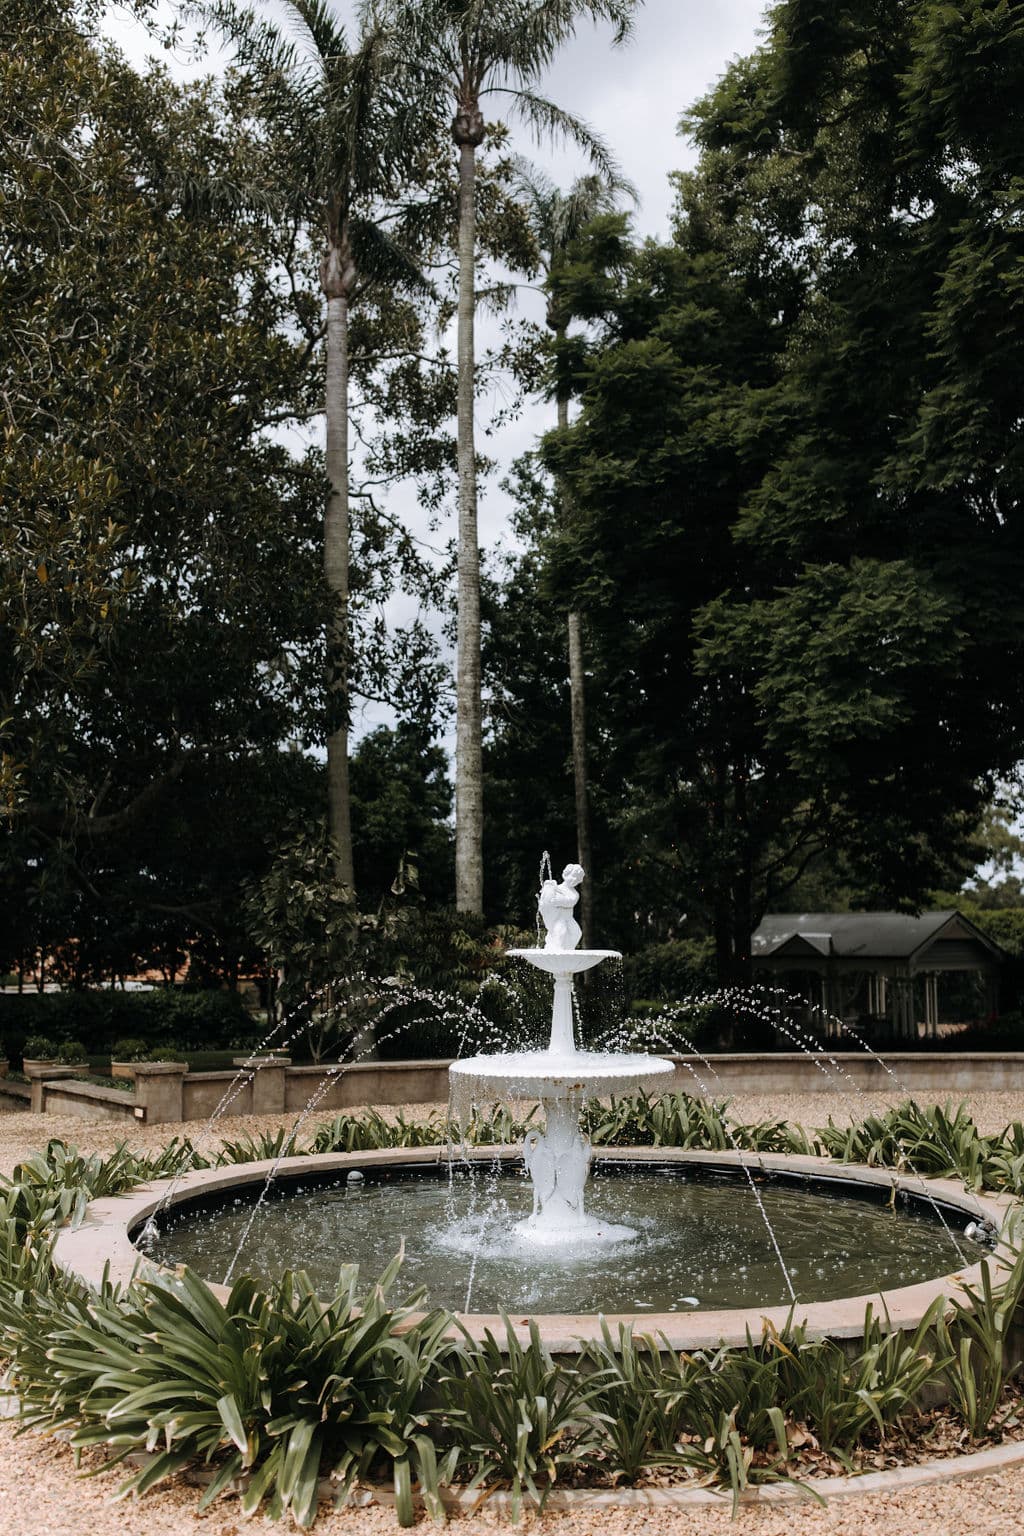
(867, 935)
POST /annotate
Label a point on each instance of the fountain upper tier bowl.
(562, 1071)
(565, 962)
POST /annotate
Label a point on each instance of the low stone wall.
(87, 1101)
(14, 1095)
(167, 1093)
(370, 1082)
(939, 1075)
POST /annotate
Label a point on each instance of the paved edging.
(998, 1458)
(977, 1464)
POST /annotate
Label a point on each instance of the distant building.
(883, 968)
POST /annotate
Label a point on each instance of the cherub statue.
(556, 903)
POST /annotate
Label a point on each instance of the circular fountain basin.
(106, 1237)
(547, 1075)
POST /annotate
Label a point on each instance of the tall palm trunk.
(577, 705)
(337, 274)
(467, 131)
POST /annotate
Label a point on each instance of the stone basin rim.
(526, 1074)
(103, 1241)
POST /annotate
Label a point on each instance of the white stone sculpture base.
(558, 1162)
(562, 1078)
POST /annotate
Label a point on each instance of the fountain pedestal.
(562, 1078)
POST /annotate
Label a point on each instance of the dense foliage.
(794, 482)
(189, 1020)
(786, 514)
(163, 610)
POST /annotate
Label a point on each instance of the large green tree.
(343, 143)
(871, 151)
(149, 642)
(652, 468)
(797, 469)
(461, 52)
(557, 219)
(164, 612)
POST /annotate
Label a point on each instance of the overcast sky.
(633, 96)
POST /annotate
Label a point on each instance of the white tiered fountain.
(562, 1078)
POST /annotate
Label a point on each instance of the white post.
(563, 1042)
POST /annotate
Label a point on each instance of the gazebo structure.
(863, 966)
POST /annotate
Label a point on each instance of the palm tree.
(461, 52)
(556, 219)
(343, 139)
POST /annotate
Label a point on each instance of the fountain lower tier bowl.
(550, 1075)
(701, 1272)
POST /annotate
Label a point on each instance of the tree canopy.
(785, 504)
(797, 538)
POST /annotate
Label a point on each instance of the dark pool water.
(701, 1240)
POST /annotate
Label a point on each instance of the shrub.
(129, 1048)
(164, 1053)
(519, 1417)
(71, 1053)
(194, 1019)
(670, 972)
(39, 1048)
(287, 1385)
(678, 1120)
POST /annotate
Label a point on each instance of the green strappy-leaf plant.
(519, 1416)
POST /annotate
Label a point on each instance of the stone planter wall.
(254, 1088)
(938, 1075)
(369, 1082)
(87, 1101)
(39, 1073)
(166, 1092)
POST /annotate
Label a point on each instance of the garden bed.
(357, 1387)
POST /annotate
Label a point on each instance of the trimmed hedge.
(189, 1020)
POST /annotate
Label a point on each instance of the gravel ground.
(21, 1132)
(61, 1504)
(41, 1495)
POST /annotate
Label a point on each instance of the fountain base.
(557, 1159)
(589, 1232)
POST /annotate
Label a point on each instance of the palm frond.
(546, 120)
(587, 199)
(525, 43)
(380, 258)
(496, 298)
(557, 218)
(535, 188)
(319, 30)
(284, 74)
(257, 43)
(367, 116)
